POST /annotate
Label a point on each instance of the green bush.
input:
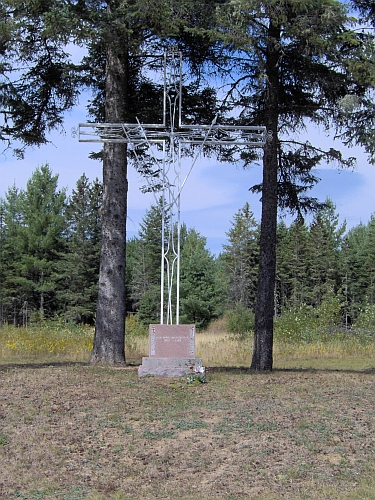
(240, 321)
(305, 323)
(365, 321)
(297, 324)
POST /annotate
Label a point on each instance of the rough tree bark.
(262, 359)
(109, 340)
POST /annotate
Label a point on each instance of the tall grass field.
(63, 342)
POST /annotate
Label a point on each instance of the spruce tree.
(79, 265)
(134, 248)
(15, 295)
(294, 63)
(325, 236)
(297, 264)
(241, 258)
(43, 207)
(146, 272)
(33, 242)
(283, 259)
(355, 271)
(2, 262)
(200, 288)
(369, 263)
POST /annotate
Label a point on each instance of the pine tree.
(200, 290)
(325, 236)
(295, 63)
(40, 82)
(241, 258)
(79, 266)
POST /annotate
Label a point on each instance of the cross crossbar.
(173, 132)
(194, 134)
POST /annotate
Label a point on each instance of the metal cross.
(172, 136)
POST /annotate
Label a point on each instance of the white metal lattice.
(171, 136)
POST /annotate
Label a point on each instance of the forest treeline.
(49, 261)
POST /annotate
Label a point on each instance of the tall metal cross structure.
(172, 136)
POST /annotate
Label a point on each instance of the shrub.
(365, 321)
(304, 323)
(240, 320)
(296, 324)
(134, 327)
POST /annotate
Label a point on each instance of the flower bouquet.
(197, 374)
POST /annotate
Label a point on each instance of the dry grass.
(217, 348)
(73, 431)
(70, 431)
(51, 341)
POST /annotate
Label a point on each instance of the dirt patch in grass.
(73, 431)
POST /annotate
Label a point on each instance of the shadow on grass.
(249, 371)
(244, 370)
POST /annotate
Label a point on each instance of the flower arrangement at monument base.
(197, 374)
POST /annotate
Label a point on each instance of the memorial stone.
(172, 351)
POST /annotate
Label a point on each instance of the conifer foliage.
(79, 265)
(49, 262)
(293, 63)
(284, 65)
(240, 258)
(50, 250)
(34, 225)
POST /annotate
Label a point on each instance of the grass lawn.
(70, 431)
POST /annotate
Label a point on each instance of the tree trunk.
(109, 341)
(264, 310)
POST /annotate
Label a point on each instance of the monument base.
(167, 367)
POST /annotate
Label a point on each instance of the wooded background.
(50, 252)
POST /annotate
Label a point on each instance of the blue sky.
(213, 193)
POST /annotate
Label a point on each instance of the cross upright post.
(171, 136)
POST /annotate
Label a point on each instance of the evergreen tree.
(2, 274)
(325, 236)
(354, 273)
(37, 77)
(200, 288)
(44, 224)
(295, 63)
(241, 258)
(369, 263)
(283, 51)
(119, 36)
(296, 267)
(134, 248)
(14, 292)
(79, 266)
(146, 275)
(34, 227)
(283, 258)
(131, 31)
